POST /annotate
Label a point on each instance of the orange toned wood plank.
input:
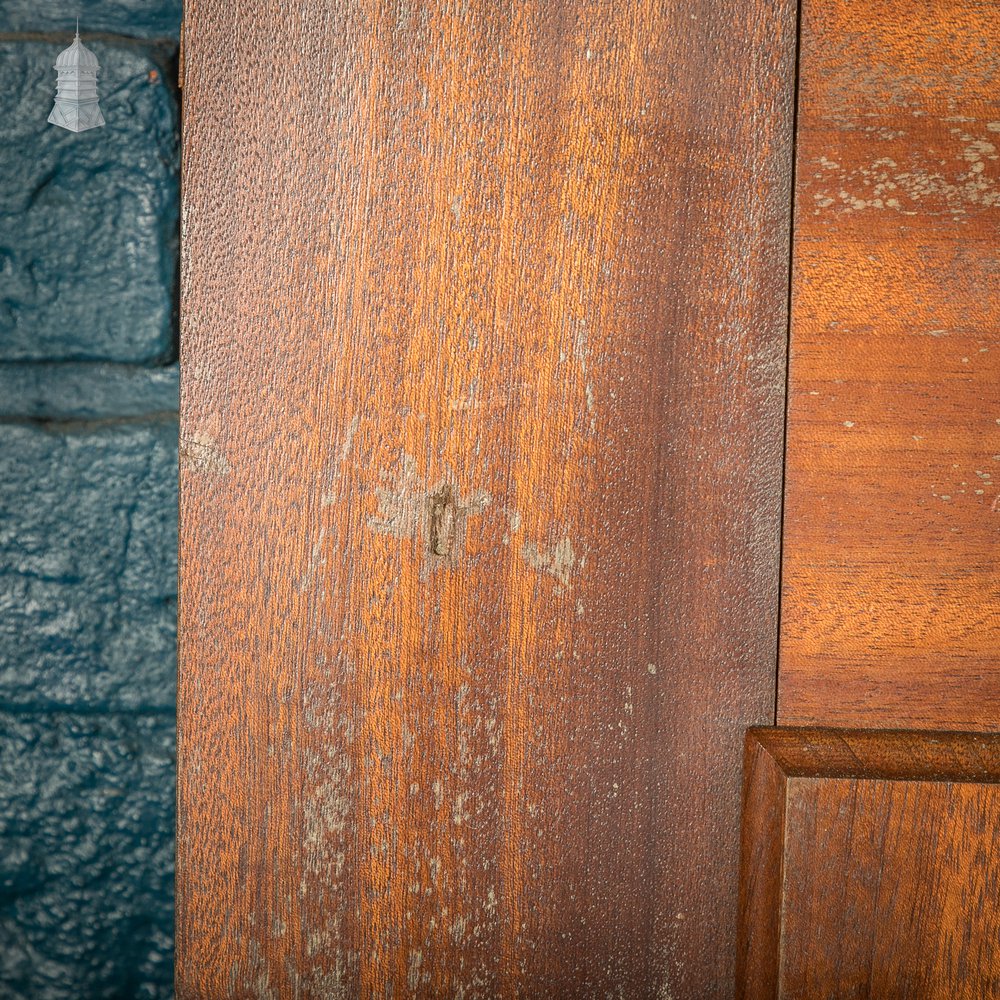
(871, 866)
(483, 345)
(891, 583)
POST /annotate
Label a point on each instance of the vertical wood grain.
(483, 347)
(762, 843)
(891, 890)
(891, 588)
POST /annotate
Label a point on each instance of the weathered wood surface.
(871, 866)
(483, 346)
(891, 581)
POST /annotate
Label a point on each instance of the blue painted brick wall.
(135, 18)
(88, 508)
(88, 221)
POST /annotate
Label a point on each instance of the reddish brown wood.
(871, 865)
(891, 586)
(483, 349)
(761, 843)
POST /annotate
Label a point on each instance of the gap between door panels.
(793, 171)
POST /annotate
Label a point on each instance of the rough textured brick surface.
(86, 857)
(133, 18)
(88, 508)
(88, 521)
(88, 221)
(86, 391)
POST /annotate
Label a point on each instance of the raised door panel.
(871, 866)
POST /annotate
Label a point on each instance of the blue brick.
(86, 857)
(88, 221)
(133, 18)
(85, 391)
(88, 541)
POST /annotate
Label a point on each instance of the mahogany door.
(485, 341)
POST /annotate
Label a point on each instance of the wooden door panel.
(871, 865)
(891, 590)
(483, 341)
